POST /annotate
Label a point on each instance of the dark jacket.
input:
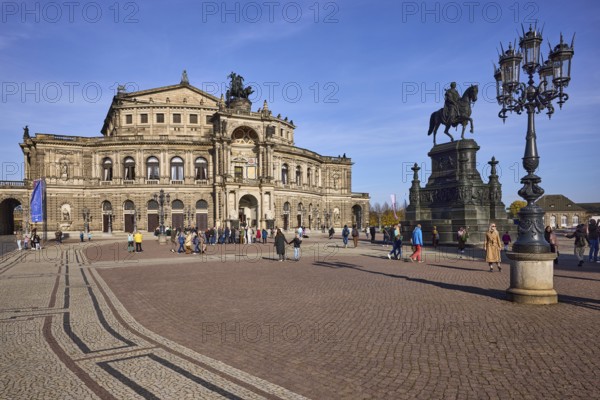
(580, 238)
(593, 232)
(280, 243)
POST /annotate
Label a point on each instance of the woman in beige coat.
(492, 246)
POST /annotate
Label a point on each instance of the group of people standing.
(26, 241)
(585, 235)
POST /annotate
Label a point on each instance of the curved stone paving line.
(64, 335)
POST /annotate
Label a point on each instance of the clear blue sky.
(356, 78)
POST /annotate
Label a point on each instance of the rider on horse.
(451, 108)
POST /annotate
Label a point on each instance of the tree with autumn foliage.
(384, 215)
(515, 207)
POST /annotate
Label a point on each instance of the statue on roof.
(236, 88)
(26, 132)
(184, 78)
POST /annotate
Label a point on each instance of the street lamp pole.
(531, 249)
(161, 198)
(110, 215)
(86, 219)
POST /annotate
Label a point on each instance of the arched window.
(309, 176)
(575, 220)
(563, 220)
(107, 169)
(201, 166)
(176, 169)
(201, 205)
(177, 205)
(129, 173)
(106, 206)
(153, 205)
(128, 205)
(298, 175)
(153, 168)
(284, 174)
(553, 221)
(286, 207)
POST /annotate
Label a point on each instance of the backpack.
(354, 232)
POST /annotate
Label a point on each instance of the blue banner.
(37, 201)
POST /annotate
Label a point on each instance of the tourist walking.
(181, 240)
(19, 238)
(188, 242)
(550, 237)
(264, 235)
(435, 237)
(396, 251)
(462, 236)
(372, 231)
(492, 246)
(345, 234)
(280, 245)
(506, 240)
(580, 242)
(35, 242)
(355, 235)
(417, 242)
(593, 233)
(25, 241)
(81, 236)
(296, 242)
(258, 235)
(137, 237)
(331, 232)
(130, 248)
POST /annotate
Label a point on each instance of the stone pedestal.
(532, 278)
(162, 239)
(455, 196)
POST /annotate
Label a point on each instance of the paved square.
(339, 323)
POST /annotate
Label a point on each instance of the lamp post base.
(532, 278)
(162, 239)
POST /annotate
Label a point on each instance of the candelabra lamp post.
(188, 215)
(110, 215)
(532, 270)
(136, 214)
(86, 219)
(161, 198)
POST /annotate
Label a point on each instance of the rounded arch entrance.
(248, 210)
(11, 216)
(107, 216)
(357, 216)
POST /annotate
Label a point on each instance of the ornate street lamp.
(516, 96)
(161, 198)
(136, 213)
(110, 215)
(188, 214)
(86, 219)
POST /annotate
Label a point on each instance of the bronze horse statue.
(464, 105)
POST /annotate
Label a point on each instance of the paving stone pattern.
(92, 321)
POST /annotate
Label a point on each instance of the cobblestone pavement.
(92, 321)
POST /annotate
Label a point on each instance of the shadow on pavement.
(493, 293)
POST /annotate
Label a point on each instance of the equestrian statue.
(236, 88)
(456, 111)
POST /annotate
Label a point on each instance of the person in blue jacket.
(417, 242)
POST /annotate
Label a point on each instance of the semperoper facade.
(220, 163)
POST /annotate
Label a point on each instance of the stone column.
(532, 278)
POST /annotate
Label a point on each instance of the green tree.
(515, 206)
